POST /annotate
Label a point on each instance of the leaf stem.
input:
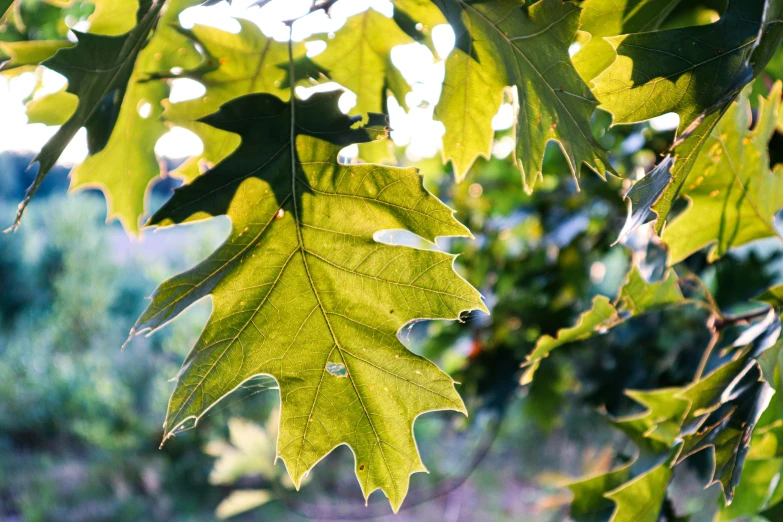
(728, 320)
(705, 357)
(717, 324)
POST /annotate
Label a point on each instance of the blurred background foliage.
(80, 419)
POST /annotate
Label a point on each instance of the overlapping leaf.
(233, 65)
(688, 71)
(734, 194)
(688, 146)
(502, 43)
(636, 297)
(97, 67)
(359, 59)
(718, 411)
(611, 18)
(124, 168)
(302, 292)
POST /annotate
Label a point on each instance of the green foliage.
(734, 195)
(654, 71)
(500, 44)
(305, 291)
(95, 67)
(304, 227)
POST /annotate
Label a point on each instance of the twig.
(717, 324)
(728, 320)
(705, 357)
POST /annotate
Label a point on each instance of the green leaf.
(302, 292)
(29, 52)
(96, 67)
(734, 195)
(637, 296)
(688, 71)
(641, 499)
(686, 154)
(729, 434)
(601, 315)
(233, 65)
(127, 165)
(662, 419)
(359, 58)
(242, 500)
(418, 18)
(51, 109)
(753, 491)
(500, 43)
(773, 296)
(590, 503)
(611, 18)
(688, 146)
(113, 17)
(644, 194)
(250, 452)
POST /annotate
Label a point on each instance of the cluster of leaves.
(302, 290)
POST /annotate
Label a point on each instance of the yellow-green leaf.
(302, 292)
(503, 43)
(734, 195)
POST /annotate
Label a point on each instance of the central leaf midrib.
(297, 220)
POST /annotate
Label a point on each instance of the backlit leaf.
(687, 71)
(302, 292)
(98, 66)
(126, 166)
(734, 195)
(611, 18)
(233, 65)
(500, 43)
(359, 59)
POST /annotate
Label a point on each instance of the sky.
(415, 128)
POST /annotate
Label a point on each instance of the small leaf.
(51, 109)
(590, 503)
(601, 315)
(644, 194)
(359, 59)
(637, 296)
(641, 499)
(242, 500)
(113, 17)
(29, 52)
